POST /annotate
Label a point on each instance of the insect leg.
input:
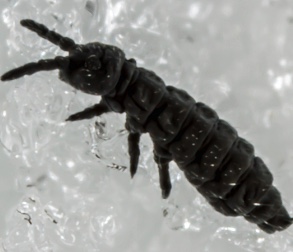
(164, 175)
(90, 112)
(64, 43)
(133, 150)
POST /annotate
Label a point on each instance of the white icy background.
(236, 56)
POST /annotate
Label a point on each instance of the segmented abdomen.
(214, 159)
(226, 172)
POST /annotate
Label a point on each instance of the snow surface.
(56, 195)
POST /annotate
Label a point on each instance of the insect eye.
(92, 63)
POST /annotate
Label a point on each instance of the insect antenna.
(33, 67)
(64, 43)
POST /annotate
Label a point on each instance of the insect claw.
(90, 112)
(133, 151)
(75, 117)
(132, 171)
(164, 176)
(70, 118)
(165, 193)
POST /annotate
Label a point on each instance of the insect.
(215, 160)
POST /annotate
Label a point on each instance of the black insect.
(214, 159)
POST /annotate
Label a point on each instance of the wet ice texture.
(235, 56)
